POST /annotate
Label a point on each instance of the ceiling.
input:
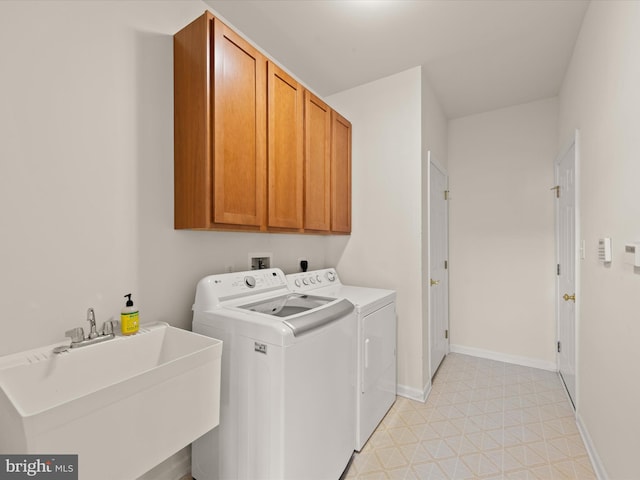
(479, 55)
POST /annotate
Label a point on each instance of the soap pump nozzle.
(129, 301)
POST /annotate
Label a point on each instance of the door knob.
(568, 297)
(434, 282)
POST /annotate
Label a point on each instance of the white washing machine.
(376, 344)
(288, 377)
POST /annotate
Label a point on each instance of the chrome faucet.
(91, 318)
(78, 338)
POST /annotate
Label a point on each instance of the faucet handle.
(76, 334)
(107, 328)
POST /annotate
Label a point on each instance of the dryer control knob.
(331, 276)
(318, 278)
(297, 282)
(305, 281)
(312, 280)
(250, 281)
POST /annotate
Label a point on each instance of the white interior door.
(438, 266)
(568, 252)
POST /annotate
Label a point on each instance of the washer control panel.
(303, 281)
(214, 289)
(254, 280)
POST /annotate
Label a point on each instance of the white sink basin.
(123, 406)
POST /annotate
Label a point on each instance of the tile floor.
(483, 420)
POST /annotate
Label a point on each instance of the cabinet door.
(317, 163)
(340, 174)
(239, 130)
(285, 158)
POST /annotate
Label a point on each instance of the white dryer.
(287, 386)
(376, 344)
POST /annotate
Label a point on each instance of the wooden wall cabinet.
(220, 161)
(317, 171)
(285, 140)
(340, 174)
(239, 130)
(327, 181)
(253, 150)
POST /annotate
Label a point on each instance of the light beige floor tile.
(483, 441)
(402, 435)
(374, 476)
(483, 420)
(445, 428)
(461, 445)
(412, 417)
(379, 439)
(415, 453)
(366, 462)
(526, 456)
(391, 457)
(438, 449)
(429, 471)
(403, 473)
(520, 475)
(480, 464)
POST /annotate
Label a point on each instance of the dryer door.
(377, 370)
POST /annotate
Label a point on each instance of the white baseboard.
(503, 357)
(414, 393)
(598, 467)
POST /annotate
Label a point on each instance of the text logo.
(50, 467)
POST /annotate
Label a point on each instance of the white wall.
(600, 96)
(434, 124)
(384, 247)
(434, 140)
(502, 232)
(86, 172)
(86, 175)
(395, 121)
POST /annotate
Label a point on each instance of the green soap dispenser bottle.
(129, 322)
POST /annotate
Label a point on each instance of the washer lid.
(287, 305)
(302, 312)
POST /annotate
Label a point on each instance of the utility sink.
(123, 405)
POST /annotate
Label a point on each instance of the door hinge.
(446, 334)
(558, 269)
(446, 194)
(557, 189)
(559, 347)
(446, 265)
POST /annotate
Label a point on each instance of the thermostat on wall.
(634, 248)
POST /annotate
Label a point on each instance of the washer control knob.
(312, 280)
(250, 281)
(331, 276)
(318, 278)
(305, 281)
(297, 282)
